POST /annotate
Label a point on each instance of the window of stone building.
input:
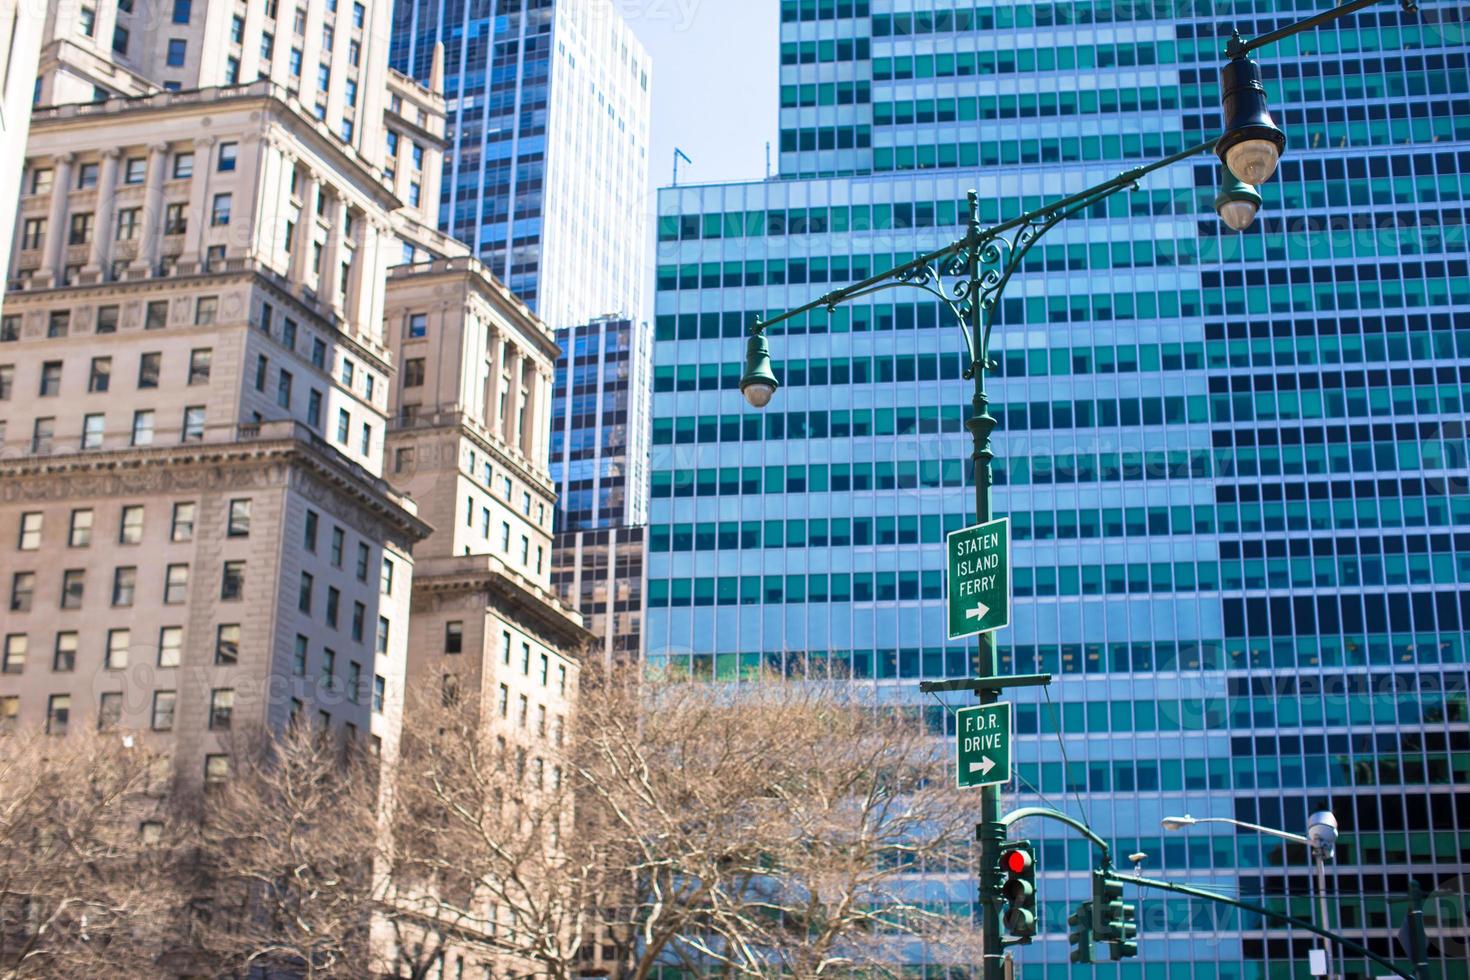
(80, 533)
(58, 714)
(170, 646)
(200, 360)
(30, 531)
(163, 711)
(232, 580)
(182, 528)
(115, 657)
(143, 428)
(227, 644)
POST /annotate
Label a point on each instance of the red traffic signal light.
(1019, 889)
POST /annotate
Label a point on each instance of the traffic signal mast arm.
(1193, 892)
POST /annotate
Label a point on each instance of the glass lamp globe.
(758, 394)
(1253, 161)
(1237, 214)
(1237, 202)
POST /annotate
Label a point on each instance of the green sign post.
(979, 580)
(983, 752)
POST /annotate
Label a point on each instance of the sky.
(715, 85)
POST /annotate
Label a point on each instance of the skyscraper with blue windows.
(548, 112)
(1235, 464)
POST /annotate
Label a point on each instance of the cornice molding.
(195, 466)
(540, 611)
(428, 427)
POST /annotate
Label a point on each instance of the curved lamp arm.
(1269, 831)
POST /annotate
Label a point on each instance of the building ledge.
(489, 444)
(469, 267)
(541, 609)
(285, 441)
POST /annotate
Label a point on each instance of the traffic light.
(1127, 931)
(1115, 919)
(1019, 889)
(1080, 936)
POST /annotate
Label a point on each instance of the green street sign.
(979, 579)
(983, 752)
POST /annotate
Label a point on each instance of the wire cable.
(1066, 763)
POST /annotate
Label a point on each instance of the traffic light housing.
(1019, 889)
(1127, 932)
(1115, 921)
(1080, 935)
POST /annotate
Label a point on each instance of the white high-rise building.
(548, 118)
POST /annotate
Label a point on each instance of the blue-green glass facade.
(1236, 464)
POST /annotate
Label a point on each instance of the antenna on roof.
(679, 155)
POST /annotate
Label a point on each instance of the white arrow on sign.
(979, 612)
(985, 764)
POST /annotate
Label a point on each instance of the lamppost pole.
(981, 424)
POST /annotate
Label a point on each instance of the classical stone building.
(469, 444)
(21, 25)
(197, 370)
(271, 445)
(194, 394)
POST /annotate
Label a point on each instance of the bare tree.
(86, 882)
(772, 828)
(285, 858)
(483, 853)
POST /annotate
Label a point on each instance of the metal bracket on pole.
(980, 684)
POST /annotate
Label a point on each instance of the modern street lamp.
(1320, 841)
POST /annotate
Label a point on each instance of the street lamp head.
(1178, 823)
(1237, 202)
(1322, 832)
(1252, 144)
(759, 382)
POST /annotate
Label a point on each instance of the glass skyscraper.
(548, 114)
(599, 462)
(1235, 464)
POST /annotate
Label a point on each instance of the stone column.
(305, 231)
(197, 234)
(511, 375)
(51, 269)
(371, 276)
(532, 383)
(147, 256)
(102, 221)
(493, 344)
(328, 285)
(362, 230)
(543, 426)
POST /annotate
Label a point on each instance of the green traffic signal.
(1019, 889)
(1080, 936)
